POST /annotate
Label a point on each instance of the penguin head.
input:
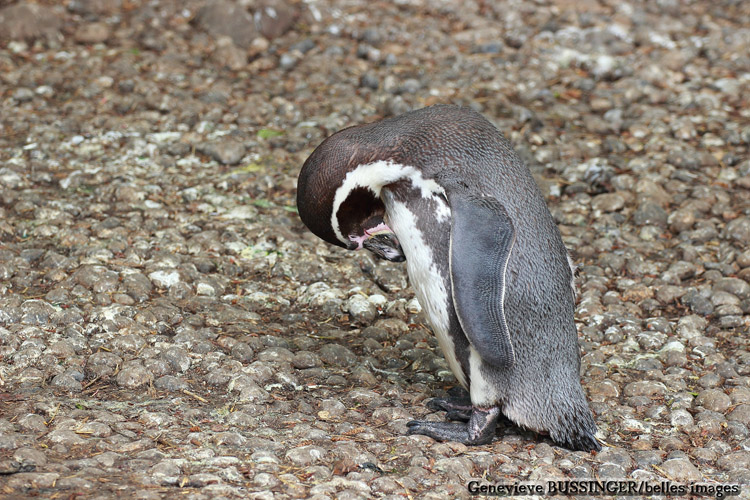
(340, 206)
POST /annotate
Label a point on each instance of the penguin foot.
(458, 405)
(451, 404)
(480, 429)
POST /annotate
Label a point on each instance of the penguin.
(442, 189)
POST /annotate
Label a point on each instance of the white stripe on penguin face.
(374, 176)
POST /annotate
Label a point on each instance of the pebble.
(714, 400)
(224, 18)
(28, 21)
(225, 151)
(361, 309)
(739, 230)
(337, 355)
(608, 202)
(680, 469)
(92, 33)
(23, 94)
(740, 413)
(133, 374)
(306, 455)
(369, 80)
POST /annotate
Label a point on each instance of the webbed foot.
(480, 428)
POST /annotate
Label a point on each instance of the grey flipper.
(482, 237)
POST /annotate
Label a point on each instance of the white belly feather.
(427, 282)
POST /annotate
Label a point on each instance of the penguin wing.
(482, 237)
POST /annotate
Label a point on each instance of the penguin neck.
(374, 177)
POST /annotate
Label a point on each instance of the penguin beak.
(386, 246)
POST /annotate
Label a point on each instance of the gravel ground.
(169, 328)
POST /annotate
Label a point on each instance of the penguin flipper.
(482, 237)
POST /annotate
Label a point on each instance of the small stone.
(488, 48)
(306, 455)
(738, 460)
(229, 55)
(331, 409)
(30, 457)
(410, 86)
(681, 220)
(171, 383)
(704, 455)
(33, 422)
(337, 355)
(735, 286)
(276, 355)
(710, 423)
(242, 352)
(65, 437)
(102, 364)
(645, 388)
(165, 279)
(611, 471)
(167, 472)
(92, 33)
(28, 21)
(740, 395)
(743, 259)
(178, 358)
(617, 456)
(369, 80)
(226, 151)
(305, 359)
(608, 202)
(740, 413)
(225, 18)
(650, 213)
(739, 231)
(363, 377)
(604, 389)
(275, 18)
(265, 481)
(23, 94)
(681, 418)
(36, 312)
(460, 467)
(94, 429)
(714, 400)
(133, 374)
(680, 469)
(67, 382)
(361, 309)
(289, 60)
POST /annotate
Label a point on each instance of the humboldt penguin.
(442, 188)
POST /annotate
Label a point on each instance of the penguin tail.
(577, 432)
(584, 441)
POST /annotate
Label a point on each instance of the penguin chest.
(422, 225)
